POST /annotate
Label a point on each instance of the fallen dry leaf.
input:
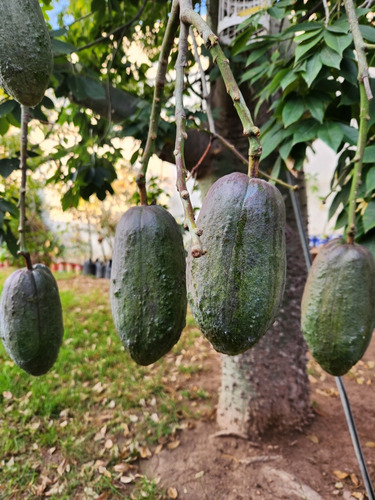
(122, 467)
(158, 449)
(358, 495)
(127, 479)
(7, 395)
(199, 474)
(108, 444)
(173, 445)
(370, 444)
(62, 467)
(313, 438)
(145, 452)
(354, 479)
(340, 474)
(172, 492)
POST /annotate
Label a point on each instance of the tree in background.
(300, 80)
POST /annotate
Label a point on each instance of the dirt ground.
(318, 463)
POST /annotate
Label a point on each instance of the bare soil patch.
(317, 463)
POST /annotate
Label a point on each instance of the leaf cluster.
(304, 70)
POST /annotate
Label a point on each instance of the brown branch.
(22, 201)
(196, 247)
(166, 47)
(201, 159)
(359, 44)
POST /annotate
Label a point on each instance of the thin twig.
(241, 157)
(22, 199)
(363, 72)
(357, 170)
(365, 96)
(114, 31)
(210, 118)
(196, 247)
(166, 47)
(188, 15)
(201, 159)
(326, 10)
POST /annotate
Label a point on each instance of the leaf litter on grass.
(82, 430)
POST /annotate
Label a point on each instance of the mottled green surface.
(31, 323)
(148, 284)
(25, 51)
(235, 290)
(338, 305)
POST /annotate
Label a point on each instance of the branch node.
(185, 195)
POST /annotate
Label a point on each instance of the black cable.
(339, 382)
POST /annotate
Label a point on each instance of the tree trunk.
(266, 387)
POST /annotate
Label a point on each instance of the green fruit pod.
(148, 283)
(25, 51)
(235, 290)
(338, 303)
(31, 322)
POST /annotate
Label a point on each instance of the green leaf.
(330, 58)
(332, 134)
(338, 43)
(316, 106)
(286, 148)
(4, 126)
(276, 170)
(304, 131)
(369, 154)
(370, 180)
(306, 26)
(307, 35)
(293, 110)
(368, 217)
(7, 107)
(93, 89)
(350, 133)
(7, 165)
(314, 65)
(303, 48)
(271, 139)
(368, 33)
(341, 197)
(59, 47)
(276, 12)
(7, 206)
(340, 26)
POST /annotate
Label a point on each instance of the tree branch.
(365, 96)
(363, 72)
(196, 247)
(114, 31)
(166, 47)
(189, 16)
(22, 201)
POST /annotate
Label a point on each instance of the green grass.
(82, 428)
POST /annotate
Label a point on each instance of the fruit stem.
(365, 96)
(196, 247)
(166, 47)
(22, 197)
(189, 16)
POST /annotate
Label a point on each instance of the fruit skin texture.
(337, 314)
(25, 51)
(31, 323)
(235, 290)
(148, 283)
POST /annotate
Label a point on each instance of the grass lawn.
(81, 430)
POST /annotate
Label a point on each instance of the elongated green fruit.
(25, 51)
(148, 283)
(337, 315)
(235, 290)
(31, 323)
